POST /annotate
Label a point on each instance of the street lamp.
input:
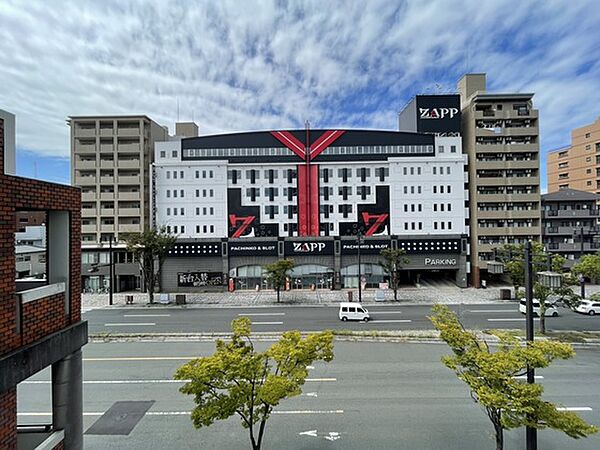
(110, 266)
(359, 241)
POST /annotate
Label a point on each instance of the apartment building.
(110, 161)
(571, 223)
(577, 166)
(501, 137)
(40, 324)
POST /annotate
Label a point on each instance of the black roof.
(567, 194)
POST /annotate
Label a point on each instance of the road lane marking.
(575, 408)
(146, 315)
(142, 358)
(520, 319)
(492, 310)
(388, 321)
(187, 413)
(267, 323)
(165, 381)
(133, 324)
(385, 312)
(524, 377)
(261, 314)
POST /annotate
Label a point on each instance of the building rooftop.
(567, 194)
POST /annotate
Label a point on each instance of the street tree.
(150, 249)
(238, 379)
(588, 266)
(491, 376)
(393, 261)
(278, 272)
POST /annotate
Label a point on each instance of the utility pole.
(110, 271)
(358, 237)
(581, 277)
(530, 432)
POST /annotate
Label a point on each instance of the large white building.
(240, 200)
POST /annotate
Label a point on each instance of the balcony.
(507, 197)
(85, 149)
(129, 228)
(88, 228)
(129, 163)
(107, 180)
(88, 212)
(84, 132)
(521, 131)
(107, 195)
(500, 165)
(88, 196)
(107, 227)
(107, 212)
(573, 247)
(570, 231)
(560, 213)
(106, 131)
(508, 181)
(508, 231)
(107, 148)
(129, 195)
(514, 214)
(512, 148)
(107, 164)
(85, 181)
(122, 131)
(130, 179)
(133, 212)
(85, 164)
(128, 148)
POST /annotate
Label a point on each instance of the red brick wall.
(43, 317)
(60, 446)
(8, 420)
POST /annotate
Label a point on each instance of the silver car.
(588, 307)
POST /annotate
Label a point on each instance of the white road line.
(267, 323)
(165, 381)
(141, 358)
(492, 310)
(187, 413)
(524, 377)
(520, 319)
(146, 315)
(385, 312)
(262, 314)
(133, 324)
(575, 408)
(388, 321)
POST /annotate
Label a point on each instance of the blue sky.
(245, 65)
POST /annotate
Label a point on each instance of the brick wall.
(43, 317)
(8, 419)
(60, 446)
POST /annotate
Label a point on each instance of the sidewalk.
(406, 295)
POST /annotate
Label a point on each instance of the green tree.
(588, 266)
(237, 379)
(393, 261)
(150, 249)
(278, 272)
(490, 375)
(513, 256)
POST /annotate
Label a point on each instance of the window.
(435, 225)
(212, 211)
(204, 174)
(181, 174)
(587, 135)
(449, 225)
(197, 192)
(435, 207)
(203, 192)
(449, 189)
(434, 170)
(204, 228)
(197, 211)
(419, 189)
(212, 228)
(210, 174)
(182, 229)
(168, 211)
(434, 190)
(212, 193)
(163, 154)
(440, 149)
(181, 192)
(174, 211)
(168, 175)
(198, 229)
(175, 193)
(197, 174)
(174, 153)
(453, 149)
(168, 193)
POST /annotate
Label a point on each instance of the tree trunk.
(150, 289)
(395, 294)
(278, 290)
(499, 438)
(542, 320)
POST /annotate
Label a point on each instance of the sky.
(250, 65)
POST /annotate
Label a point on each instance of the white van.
(353, 311)
(551, 310)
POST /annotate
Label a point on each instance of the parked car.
(588, 307)
(353, 311)
(551, 309)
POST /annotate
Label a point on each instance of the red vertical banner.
(303, 219)
(314, 200)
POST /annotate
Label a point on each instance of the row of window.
(181, 193)
(180, 229)
(206, 211)
(435, 189)
(284, 151)
(419, 225)
(205, 174)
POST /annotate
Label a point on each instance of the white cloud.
(270, 64)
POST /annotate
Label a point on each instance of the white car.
(551, 310)
(588, 307)
(353, 311)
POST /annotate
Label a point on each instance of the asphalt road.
(372, 395)
(162, 319)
